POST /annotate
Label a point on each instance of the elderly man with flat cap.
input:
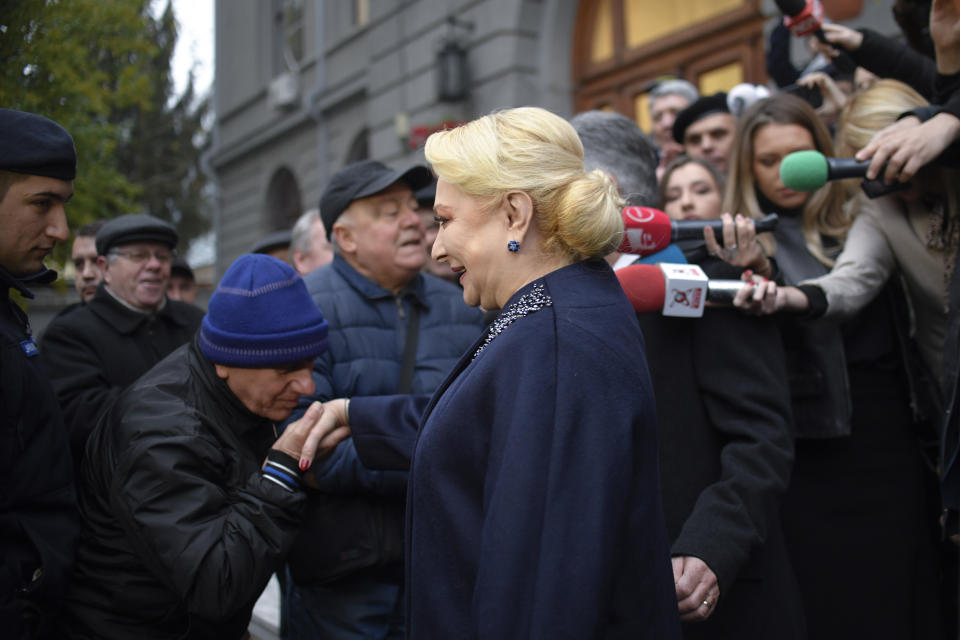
(190, 500)
(393, 330)
(38, 514)
(95, 352)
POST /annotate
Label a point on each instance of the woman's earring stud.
(513, 246)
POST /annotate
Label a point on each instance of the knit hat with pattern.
(262, 316)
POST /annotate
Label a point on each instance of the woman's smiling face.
(472, 240)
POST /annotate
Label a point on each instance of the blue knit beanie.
(262, 316)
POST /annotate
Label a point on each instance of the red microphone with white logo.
(681, 290)
(648, 230)
(804, 18)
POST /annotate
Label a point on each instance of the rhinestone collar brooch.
(528, 303)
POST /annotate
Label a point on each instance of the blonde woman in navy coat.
(533, 506)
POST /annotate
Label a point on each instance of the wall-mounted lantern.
(453, 74)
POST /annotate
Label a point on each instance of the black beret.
(703, 107)
(272, 241)
(182, 268)
(36, 146)
(362, 180)
(134, 227)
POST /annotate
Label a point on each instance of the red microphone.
(648, 230)
(802, 17)
(805, 17)
(681, 290)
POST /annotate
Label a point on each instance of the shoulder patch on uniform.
(29, 347)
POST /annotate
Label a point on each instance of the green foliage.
(102, 70)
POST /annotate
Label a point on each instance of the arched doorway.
(283, 204)
(622, 46)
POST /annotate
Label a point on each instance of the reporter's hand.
(907, 145)
(757, 297)
(761, 297)
(838, 35)
(697, 588)
(740, 246)
(834, 99)
(313, 435)
(945, 32)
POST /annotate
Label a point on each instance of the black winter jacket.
(181, 531)
(38, 509)
(99, 349)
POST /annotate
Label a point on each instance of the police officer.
(38, 513)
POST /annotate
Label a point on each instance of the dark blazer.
(726, 450)
(533, 505)
(99, 349)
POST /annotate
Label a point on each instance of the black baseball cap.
(362, 180)
(703, 107)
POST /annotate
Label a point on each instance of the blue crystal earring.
(513, 246)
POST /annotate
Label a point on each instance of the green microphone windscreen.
(804, 171)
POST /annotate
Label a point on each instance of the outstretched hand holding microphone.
(800, 171)
(648, 231)
(900, 150)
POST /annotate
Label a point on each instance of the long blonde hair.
(879, 107)
(533, 150)
(872, 110)
(823, 212)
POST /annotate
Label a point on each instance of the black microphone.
(693, 229)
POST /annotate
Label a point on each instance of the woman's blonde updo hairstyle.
(532, 150)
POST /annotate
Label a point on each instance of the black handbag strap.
(405, 381)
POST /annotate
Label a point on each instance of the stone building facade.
(303, 87)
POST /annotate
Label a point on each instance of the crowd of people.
(431, 410)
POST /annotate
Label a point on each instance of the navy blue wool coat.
(533, 505)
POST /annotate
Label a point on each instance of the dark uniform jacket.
(181, 532)
(97, 350)
(38, 512)
(533, 507)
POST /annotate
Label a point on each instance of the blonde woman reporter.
(533, 508)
